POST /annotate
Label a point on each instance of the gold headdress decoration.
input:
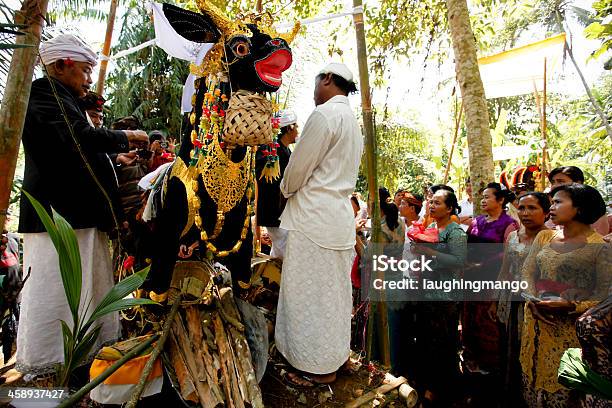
(213, 62)
(265, 24)
(227, 27)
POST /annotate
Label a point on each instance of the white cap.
(67, 46)
(339, 69)
(287, 117)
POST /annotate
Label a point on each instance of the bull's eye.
(241, 49)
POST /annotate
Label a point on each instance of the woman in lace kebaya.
(532, 210)
(569, 270)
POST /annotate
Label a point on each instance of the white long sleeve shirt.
(321, 175)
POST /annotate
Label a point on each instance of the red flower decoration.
(128, 263)
(209, 136)
(222, 144)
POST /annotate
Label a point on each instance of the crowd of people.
(499, 349)
(496, 349)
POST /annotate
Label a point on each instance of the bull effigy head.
(251, 51)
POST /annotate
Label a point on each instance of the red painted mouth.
(270, 69)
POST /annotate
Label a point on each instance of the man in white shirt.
(313, 323)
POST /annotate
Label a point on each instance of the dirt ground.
(347, 387)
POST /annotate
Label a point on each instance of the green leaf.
(601, 50)
(68, 342)
(599, 133)
(13, 46)
(124, 304)
(44, 218)
(12, 25)
(594, 30)
(118, 292)
(84, 346)
(71, 258)
(71, 276)
(8, 31)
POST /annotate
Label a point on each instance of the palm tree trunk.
(474, 101)
(17, 94)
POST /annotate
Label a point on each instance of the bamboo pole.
(538, 101)
(146, 371)
(106, 49)
(450, 156)
(544, 136)
(76, 397)
(371, 164)
(17, 94)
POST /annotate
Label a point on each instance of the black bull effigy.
(201, 208)
(206, 203)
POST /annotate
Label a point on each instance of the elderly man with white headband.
(269, 203)
(313, 323)
(56, 175)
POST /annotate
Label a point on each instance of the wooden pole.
(146, 371)
(17, 94)
(259, 6)
(106, 49)
(371, 164)
(544, 168)
(450, 156)
(538, 101)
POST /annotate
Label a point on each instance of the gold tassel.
(271, 173)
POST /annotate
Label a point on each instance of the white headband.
(66, 46)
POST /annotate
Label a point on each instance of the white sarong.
(40, 345)
(313, 320)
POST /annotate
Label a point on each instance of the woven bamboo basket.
(247, 120)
